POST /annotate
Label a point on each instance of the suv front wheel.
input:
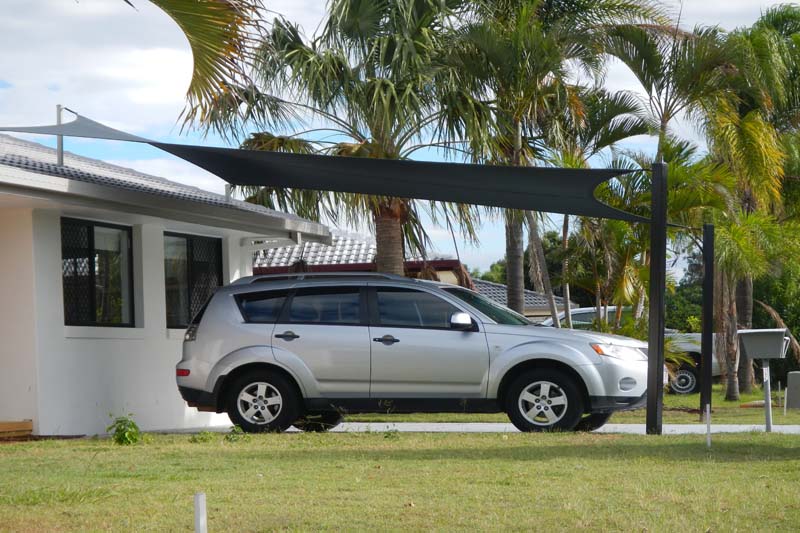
(262, 401)
(544, 400)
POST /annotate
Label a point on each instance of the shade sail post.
(658, 285)
(707, 336)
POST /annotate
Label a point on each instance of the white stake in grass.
(200, 520)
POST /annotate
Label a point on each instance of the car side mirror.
(461, 321)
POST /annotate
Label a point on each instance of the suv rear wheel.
(544, 400)
(262, 401)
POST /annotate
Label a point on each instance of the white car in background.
(686, 379)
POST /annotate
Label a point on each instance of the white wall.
(85, 373)
(17, 319)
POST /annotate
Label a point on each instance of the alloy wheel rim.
(259, 403)
(684, 382)
(543, 403)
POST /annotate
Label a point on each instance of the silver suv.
(277, 351)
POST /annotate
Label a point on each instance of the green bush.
(124, 430)
(203, 436)
(236, 434)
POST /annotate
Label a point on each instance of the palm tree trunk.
(536, 246)
(515, 278)
(730, 340)
(535, 268)
(638, 312)
(388, 218)
(565, 271)
(744, 309)
(515, 263)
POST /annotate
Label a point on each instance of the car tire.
(262, 401)
(686, 380)
(593, 421)
(544, 400)
(318, 422)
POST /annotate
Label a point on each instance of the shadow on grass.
(608, 450)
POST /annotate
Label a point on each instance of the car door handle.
(386, 339)
(287, 336)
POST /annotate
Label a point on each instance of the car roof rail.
(321, 275)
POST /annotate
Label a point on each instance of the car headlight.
(625, 353)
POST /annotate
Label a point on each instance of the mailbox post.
(765, 344)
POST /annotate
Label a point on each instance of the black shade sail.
(552, 190)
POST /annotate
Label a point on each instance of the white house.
(100, 269)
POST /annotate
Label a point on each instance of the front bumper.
(610, 404)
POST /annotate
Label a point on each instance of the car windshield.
(495, 311)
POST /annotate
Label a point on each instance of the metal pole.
(200, 518)
(658, 285)
(767, 396)
(707, 336)
(59, 139)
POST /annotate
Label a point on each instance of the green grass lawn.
(391, 481)
(676, 411)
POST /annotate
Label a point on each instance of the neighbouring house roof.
(127, 185)
(497, 292)
(350, 251)
(345, 248)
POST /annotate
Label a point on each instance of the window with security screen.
(192, 272)
(97, 273)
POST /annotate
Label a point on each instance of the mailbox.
(764, 343)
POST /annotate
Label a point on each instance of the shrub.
(124, 430)
(236, 434)
(203, 436)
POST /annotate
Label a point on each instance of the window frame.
(363, 311)
(190, 286)
(374, 311)
(92, 272)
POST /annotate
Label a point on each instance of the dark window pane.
(176, 277)
(205, 271)
(495, 311)
(192, 271)
(401, 307)
(96, 274)
(262, 307)
(112, 276)
(328, 306)
(76, 267)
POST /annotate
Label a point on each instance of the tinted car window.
(498, 313)
(410, 308)
(262, 307)
(326, 306)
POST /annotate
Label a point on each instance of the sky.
(129, 68)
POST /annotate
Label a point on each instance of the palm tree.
(746, 243)
(677, 70)
(220, 35)
(742, 136)
(608, 119)
(518, 54)
(368, 78)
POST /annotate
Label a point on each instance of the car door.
(415, 353)
(326, 328)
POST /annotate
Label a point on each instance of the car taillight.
(182, 372)
(191, 333)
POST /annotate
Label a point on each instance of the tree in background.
(519, 54)
(369, 81)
